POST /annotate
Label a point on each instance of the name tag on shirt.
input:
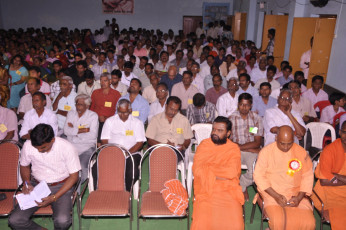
(72, 55)
(81, 126)
(129, 133)
(90, 66)
(3, 128)
(135, 113)
(105, 70)
(207, 115)
(253, 130)
(108, 104)
(306, 114)
(67, 107)
(189, 101)
(18, 72)
(179, 131)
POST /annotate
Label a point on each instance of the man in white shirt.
(101, 66)
(197, 81)
(271, 71)
(234, 72)
(129, 133)
(127, 74)
(149, 92)
(8, 124)
(260, 72)
(316, 93)
(55, 161)
(228, 102)
(64, 101)
(25, 103)
(282, 115)
(337, 101)
(88, 86)
(305, 60)
(81, 129)
(39, 114)
(158, 106)
(116, 82)
(143, 70)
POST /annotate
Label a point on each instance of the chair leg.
(252, 213)
(137, 222)
(188, 222)
(130, 223)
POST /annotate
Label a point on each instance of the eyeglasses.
(285, 98)
(161, 91)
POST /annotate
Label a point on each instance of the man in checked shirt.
(247, 132)
(201, 111)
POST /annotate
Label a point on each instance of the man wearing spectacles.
(158, 106)
(280, 115)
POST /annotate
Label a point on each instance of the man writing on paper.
(284, 176)
(55, 161)
(216, 168)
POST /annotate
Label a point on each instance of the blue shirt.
(259, 106)
(169, 82)
(251, 90)
(139, 105)
(283, 81)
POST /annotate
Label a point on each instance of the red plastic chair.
(321, 105)
(337, 117)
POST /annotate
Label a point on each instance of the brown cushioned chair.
(162, 167)
(9, 174)
(109, 197)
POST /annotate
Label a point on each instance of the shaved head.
(285, 138)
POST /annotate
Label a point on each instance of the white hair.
(68, 79)
(123, 103)
(86, 98)
(107, 75)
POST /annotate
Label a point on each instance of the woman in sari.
(4, 90)
(18, 74)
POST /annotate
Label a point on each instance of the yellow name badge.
(179, 131)
(3, 128)
(207, 115)
(67, 107)
(306, 114)
(108, 104)
(129, 133)
(81, 126)
(105, 70)
(135, 113)
(189, 101)
(90, 66)
(18, 72)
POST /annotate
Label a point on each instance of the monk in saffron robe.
(284, 176)
(217, 168)
(331, 186)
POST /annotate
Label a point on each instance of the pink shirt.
(184, 95)
(8, 123)
(141, 52)
(211, 95)
(44, 88)
(321, 96)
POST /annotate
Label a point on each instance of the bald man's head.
(285, 138)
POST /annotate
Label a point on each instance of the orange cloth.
(332, 160)
(271, 171)
(175, 197)
(218, 203)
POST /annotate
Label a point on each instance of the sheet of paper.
(27, 201)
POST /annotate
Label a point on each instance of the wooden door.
(303, 30)
(239, 26)
(190, 23)
(320, 53)
(279, 23)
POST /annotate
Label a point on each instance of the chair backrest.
(9, 158)
(202, 131)
(321, 105)
(318, 130)
(162, 167)
(111, 169)
(337, 117)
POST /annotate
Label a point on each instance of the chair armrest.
(84, 188)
